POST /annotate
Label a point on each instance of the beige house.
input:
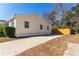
(29, 25)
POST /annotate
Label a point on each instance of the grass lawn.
(5, 39)
(55, 47)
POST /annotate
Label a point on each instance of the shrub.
(9, 31)
(1, 32)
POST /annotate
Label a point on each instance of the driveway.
(12, 48)
(73, 50)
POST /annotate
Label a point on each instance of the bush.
(1, 32)
(9, 31)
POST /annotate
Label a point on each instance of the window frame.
(47, 27)
(26, 24)
(41, 26)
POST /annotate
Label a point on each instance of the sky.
(8, 9)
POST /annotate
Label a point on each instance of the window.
(47, 27)
(41, 26)
(26, 24)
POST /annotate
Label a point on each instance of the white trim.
(30, 34)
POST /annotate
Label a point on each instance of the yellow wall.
(64, 31)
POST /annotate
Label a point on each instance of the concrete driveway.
(73, 49)
(14, 47)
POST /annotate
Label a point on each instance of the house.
(2, 22)
(29, 25)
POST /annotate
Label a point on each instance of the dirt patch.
(54, 47)
(5, 39)
(73, 38)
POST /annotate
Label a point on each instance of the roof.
(14, 16)
(2, 20)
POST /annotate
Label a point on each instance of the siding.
(34, 25)
(13, 21)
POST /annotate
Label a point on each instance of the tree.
(76, 17)
(67, 18)
(54, 14)
(51, 16)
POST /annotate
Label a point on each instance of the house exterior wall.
(34, 25)
(12, 23)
